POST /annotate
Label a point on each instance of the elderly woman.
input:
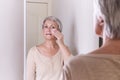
(45, 61)
(103, 63)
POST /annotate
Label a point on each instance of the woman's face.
(48, 27)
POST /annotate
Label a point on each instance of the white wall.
(77, 19)
(11, 39)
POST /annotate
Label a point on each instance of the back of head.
(110, 9)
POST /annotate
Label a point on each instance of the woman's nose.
(49, 29)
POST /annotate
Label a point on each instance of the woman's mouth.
(48, 34)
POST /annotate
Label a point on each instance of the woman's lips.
(48, 34)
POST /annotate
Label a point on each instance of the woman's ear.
(99, 26)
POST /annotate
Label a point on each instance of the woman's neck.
(109, 47)
(112, 42)
(50, 44)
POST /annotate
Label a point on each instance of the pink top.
(40, 67)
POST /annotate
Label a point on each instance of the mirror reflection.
(45, 60)
(46, 49)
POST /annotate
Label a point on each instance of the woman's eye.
(45, 26)
(53, 27)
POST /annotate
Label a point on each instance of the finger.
(57, 34)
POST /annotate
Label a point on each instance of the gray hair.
(110, 9)
(52, 18)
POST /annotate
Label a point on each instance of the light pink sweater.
(40, 67)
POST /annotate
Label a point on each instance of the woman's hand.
(59, 36)
(60, 41)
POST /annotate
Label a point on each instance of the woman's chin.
(49, 38)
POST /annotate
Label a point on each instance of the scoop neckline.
(47, 56)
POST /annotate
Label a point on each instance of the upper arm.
(66, 73)
(67, 70)
(30, 66)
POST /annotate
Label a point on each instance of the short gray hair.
(110, 9)
(55, 19)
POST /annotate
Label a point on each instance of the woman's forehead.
(50, 22)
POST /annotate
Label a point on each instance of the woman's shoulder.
(36, 49)
(32, 51)
(40, 46)
(32, 48)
